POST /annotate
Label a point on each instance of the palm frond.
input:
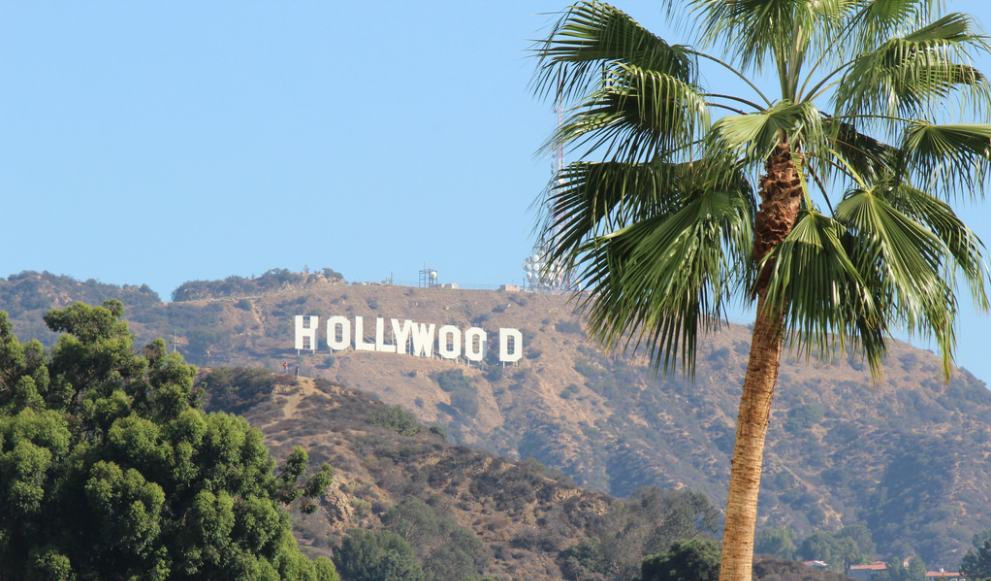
(658, 282)
(911, 75)
(907, 263)
(659, 230)
(955, 155)
(591, 199)
(870, 158)
(879, 20)
(757, 29)
(754, 136)
(966, 250)
(591, 36)
(826, 301)
(636, 114)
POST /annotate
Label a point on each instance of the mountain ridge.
(908, 457)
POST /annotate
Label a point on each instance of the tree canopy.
(839, 552)
(976, 564)
(377, 556)
(688, 560)
(109, 470)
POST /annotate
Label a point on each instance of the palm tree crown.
(825, 198)
(662, 228)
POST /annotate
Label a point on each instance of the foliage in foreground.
(647, 523)
(977, 564)
(377, 556)
(110, 472)
(689, 560)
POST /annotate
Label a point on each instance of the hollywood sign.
(408, 338)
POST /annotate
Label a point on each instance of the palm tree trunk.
(748, 453)
(781, 194)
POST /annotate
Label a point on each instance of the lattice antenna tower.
(538, 275)
(428, 277)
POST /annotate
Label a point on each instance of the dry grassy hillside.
(908, 457)
(524, 514)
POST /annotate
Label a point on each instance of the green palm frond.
(654, 283)
(879, 20)
(868, 157)
(754, 136)
(592, 35)
(590, 199)
(826, 301)
(909, 266)
(657, 231)
(965, 248)
(758, 29)
(907, 76)
(956, 155)
(593, 199)
(635, 114)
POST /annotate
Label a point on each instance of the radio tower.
(540, 276)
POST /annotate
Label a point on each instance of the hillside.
(908, 457)
(419, 485)
(521, 520)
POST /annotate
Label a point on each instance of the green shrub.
(397, 419)
(803, 417)
(569, 327)
(377, 556)
(688, 560)
(465, 401)
(451, 380)
(230, 389)
(494, 372)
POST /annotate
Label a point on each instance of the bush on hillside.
(397, 419)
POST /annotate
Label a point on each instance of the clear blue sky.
(160, 142)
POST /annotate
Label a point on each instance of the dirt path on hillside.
(292, 395)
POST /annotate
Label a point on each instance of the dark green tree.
(689, 560)
(585, 561)
(397, 419)
(418, 523)
(827, 547)
(864, 539)
(647, 523)
(777, 542)
(916, 570)
(897, 570)
(377, 556)
(977, 564)
(462, 556)
(110, 472)
(447, 551)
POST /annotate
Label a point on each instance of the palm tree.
(825, 201)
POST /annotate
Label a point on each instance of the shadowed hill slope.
(393, 473)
